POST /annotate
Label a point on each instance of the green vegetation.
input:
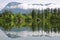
(47, 19)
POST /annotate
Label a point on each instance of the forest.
(47, 19)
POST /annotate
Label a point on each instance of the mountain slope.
(25, 7)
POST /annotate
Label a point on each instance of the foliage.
(45, 19)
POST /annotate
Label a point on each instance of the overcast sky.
(3, 3)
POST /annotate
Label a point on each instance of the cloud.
(3, 3)
(31, 6)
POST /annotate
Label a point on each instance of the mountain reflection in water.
(34, 29)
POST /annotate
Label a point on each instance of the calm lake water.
(30, 31)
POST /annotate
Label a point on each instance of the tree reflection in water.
(34, 26)
(45, 21)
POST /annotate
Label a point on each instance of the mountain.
(16, 7)
(13, 3)
(25, 7)
(43, 4)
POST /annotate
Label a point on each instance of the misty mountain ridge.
(25, 7)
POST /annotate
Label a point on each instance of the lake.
(30, 31)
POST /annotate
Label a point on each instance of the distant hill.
(24, 7)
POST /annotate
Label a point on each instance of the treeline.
(34, 15)
(48, 18)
